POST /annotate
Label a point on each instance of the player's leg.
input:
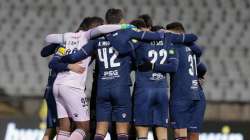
(49, 134)
(142, 112)
(198, 112)
(63, 120)
(121, 110)
(78, 109)
(51, 121)
(160, 116)
(103, 112)
(142, 132)
(180, 117)
(193, 136)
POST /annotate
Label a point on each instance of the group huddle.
(152, 52)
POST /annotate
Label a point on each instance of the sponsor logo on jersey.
(157, 76)
(107, 75)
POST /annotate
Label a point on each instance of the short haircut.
(84, 24)
(147, 19)
(176, 26)
(138, 23)
(96, 21)
(156, 28)
(90, 22)
(114, 16)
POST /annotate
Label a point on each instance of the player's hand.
(147, 66)
(201, 81)
(127, 26)
(76, 68)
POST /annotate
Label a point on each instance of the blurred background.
(223, 27)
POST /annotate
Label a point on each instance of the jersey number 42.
(103, 54)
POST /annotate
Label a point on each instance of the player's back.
(73, 42)
(113, 68)
(156, 53)
(184, 83)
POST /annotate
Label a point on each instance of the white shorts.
(71, 102)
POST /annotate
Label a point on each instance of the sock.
(142, 138)
(181, 138)
(99, 137)
(78, 134)
(62, 135)
(122, 136)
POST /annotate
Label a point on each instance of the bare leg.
(142, 132)
(193, 136)
(122, 130)
(161, 133)
(49, 134)
(101, 130)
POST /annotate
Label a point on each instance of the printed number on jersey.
(193, 66)
(103, 57)
(162, 55)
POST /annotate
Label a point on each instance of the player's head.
(84, 24)
(140, 24)
(114, 16)
(176, 27)
(90, 22)
(96, 21)
(156, 28)
(147, 19)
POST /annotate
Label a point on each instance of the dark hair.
(156, 28)
(85, 24)
(90, 22)
(138, 23)
(147, 19)
(114, 16)
(176, 26)
(96, 21)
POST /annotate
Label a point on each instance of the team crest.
(124, 115)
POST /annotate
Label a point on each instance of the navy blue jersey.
(121, 38)
(159, 54)
(184, 83)
(113, 68)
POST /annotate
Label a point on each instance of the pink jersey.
(73, 42)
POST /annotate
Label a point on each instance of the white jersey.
(73, 42)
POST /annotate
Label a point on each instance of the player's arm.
(49, 50)
(180, 38)
(54, 38)
(58, 66)
(202, 70)
(145, 35)
(195, 49)
(129, 48)
(171, 65)
(104, 29)
(86, 51)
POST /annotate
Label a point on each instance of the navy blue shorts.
(188, 114)
(51, 105)
(151, 107)
(113, 104)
